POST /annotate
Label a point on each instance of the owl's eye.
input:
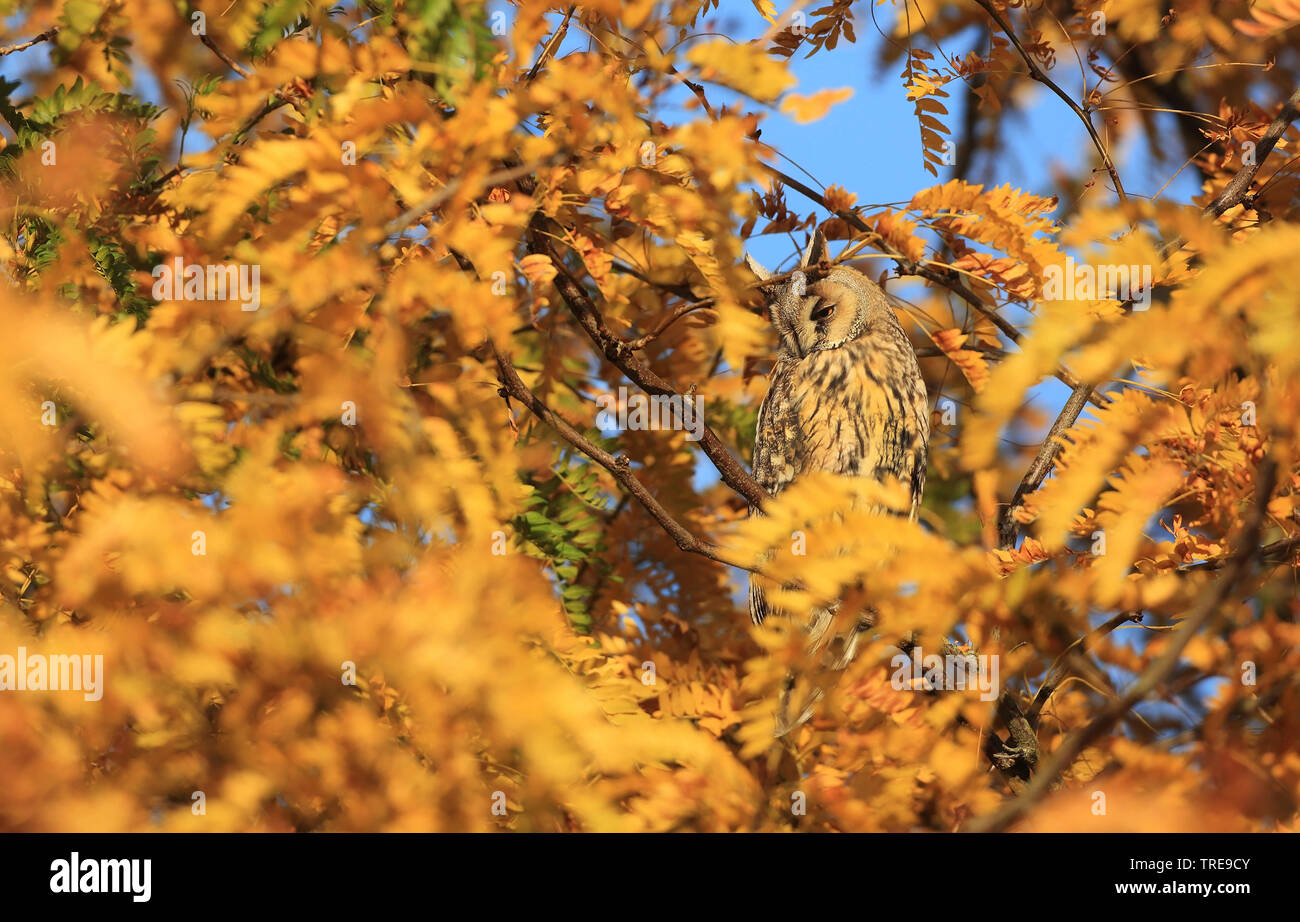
(822, 311)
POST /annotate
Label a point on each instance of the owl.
(846, 396)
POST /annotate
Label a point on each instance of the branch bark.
(1237, 189)
(619, 466)
(45, 36)
(1059, 668)
(223, 57)
(1008, 527)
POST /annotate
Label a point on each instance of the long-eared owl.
(846, 396)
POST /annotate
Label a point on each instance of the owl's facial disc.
(832, 316)
(817, 317)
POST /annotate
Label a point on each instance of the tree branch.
(1278, 552)
(1037, 73)
(23, 46)
(1237, 189)
(224, 58)
(513, 386)
(680, 311)
(624, 358)
(1008, 527)
(1059, 668)
(552, 45)
(1155, 673)
(619, 467)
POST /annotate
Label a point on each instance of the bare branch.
(1059, 668)
(635, 368)
(679, 312)
(225, 58)
(1008, 527)
(551, 46)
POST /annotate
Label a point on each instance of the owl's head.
(815, 314)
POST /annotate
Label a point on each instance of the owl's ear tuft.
(766, 288)
(816, 250)
(757, 268)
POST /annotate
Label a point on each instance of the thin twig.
(1278, 552)
(23, 46)
(551, 46)
(1059, 668)
(679, 312)
(415, 212)
(225, 58)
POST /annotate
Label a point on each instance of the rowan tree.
(311, 313)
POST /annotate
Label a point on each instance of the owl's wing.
(919, 457)
(920, 438)
(779, 453)
(775, 463)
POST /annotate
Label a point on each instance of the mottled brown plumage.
(846, 396)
